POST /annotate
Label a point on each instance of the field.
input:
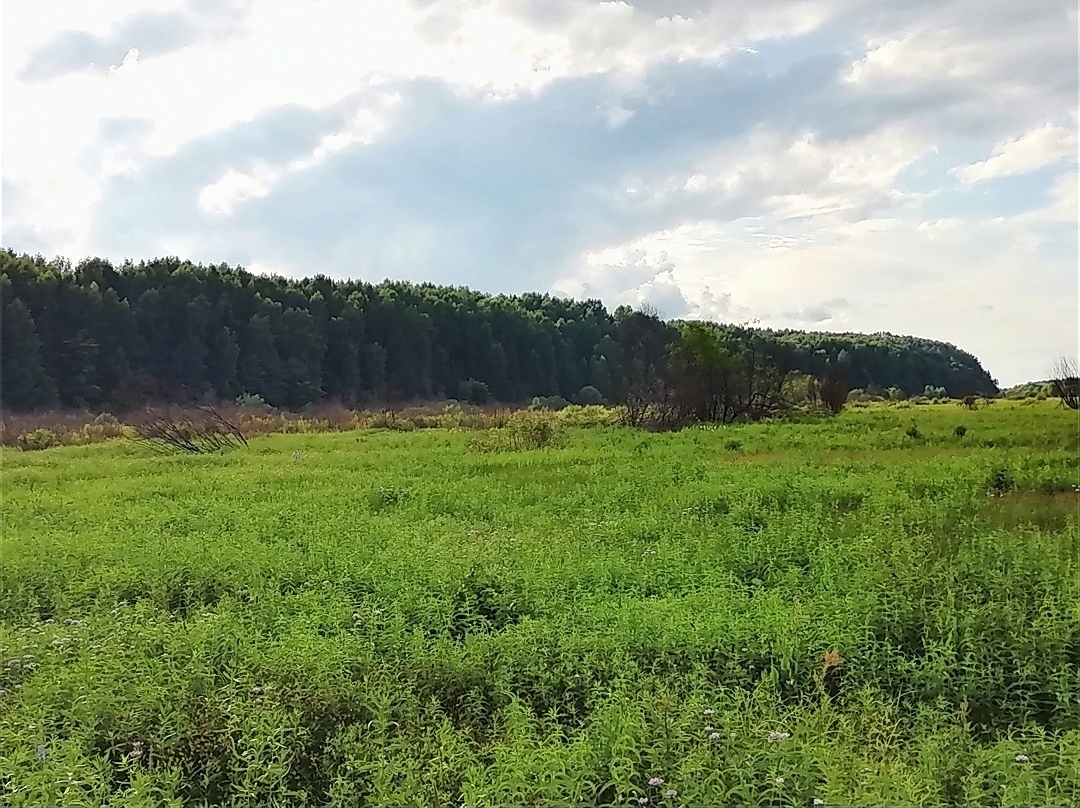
(866, 610)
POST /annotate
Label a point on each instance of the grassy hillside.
(868, 610)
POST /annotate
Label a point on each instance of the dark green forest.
(97, 335)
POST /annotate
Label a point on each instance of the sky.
(831, 165)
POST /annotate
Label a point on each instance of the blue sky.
(826, 164)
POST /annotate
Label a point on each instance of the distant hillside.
(887, 360)
(96, 336)
(1044, 389)
(876, 362)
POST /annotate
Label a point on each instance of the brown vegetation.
(68, 428)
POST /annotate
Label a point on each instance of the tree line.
(96, 335)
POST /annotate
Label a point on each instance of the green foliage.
(523, 431)
(170, 331)
(553, 403)
(26, 385)
(1029, 390)
(887, 360)
(392, 619)
(251, 400)
(1000, 481)
(41, 438)
(589, 396)
(473, 392)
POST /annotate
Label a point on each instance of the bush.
(1000, 482)
(37, 440)
(591, 415)
(913, 431)
(253, 400)
(960, 431)
(474, 392)
(523, 431)
(554, 403)
(589, 395)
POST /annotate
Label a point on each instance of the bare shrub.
(1066, 382)
(833, 388)
(196, 430)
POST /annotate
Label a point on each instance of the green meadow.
(878, 608)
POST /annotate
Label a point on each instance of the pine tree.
(221, 364)
(24, 383)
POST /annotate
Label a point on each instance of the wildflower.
(714, 736)
(642, 800)
(779, 781)
(832, 660)
(708, 712)
(136, 750)
(818, 802)
(671, 793)
(708, 728)
(656, 781)
(41, 751)
(1021, 758)
(779, 736)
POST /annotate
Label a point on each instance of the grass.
(384, 618)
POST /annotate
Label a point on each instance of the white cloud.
(233, 188)
(1036, 149)
(954, 278)
(787, 197)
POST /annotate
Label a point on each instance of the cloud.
(1033, 150)
(152, 32)
(785, 162)
(664, 294)
(817, 314)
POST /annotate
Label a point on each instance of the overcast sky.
(832, 165)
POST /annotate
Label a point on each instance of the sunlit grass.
(387, 618)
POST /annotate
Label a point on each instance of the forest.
(95, 336)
